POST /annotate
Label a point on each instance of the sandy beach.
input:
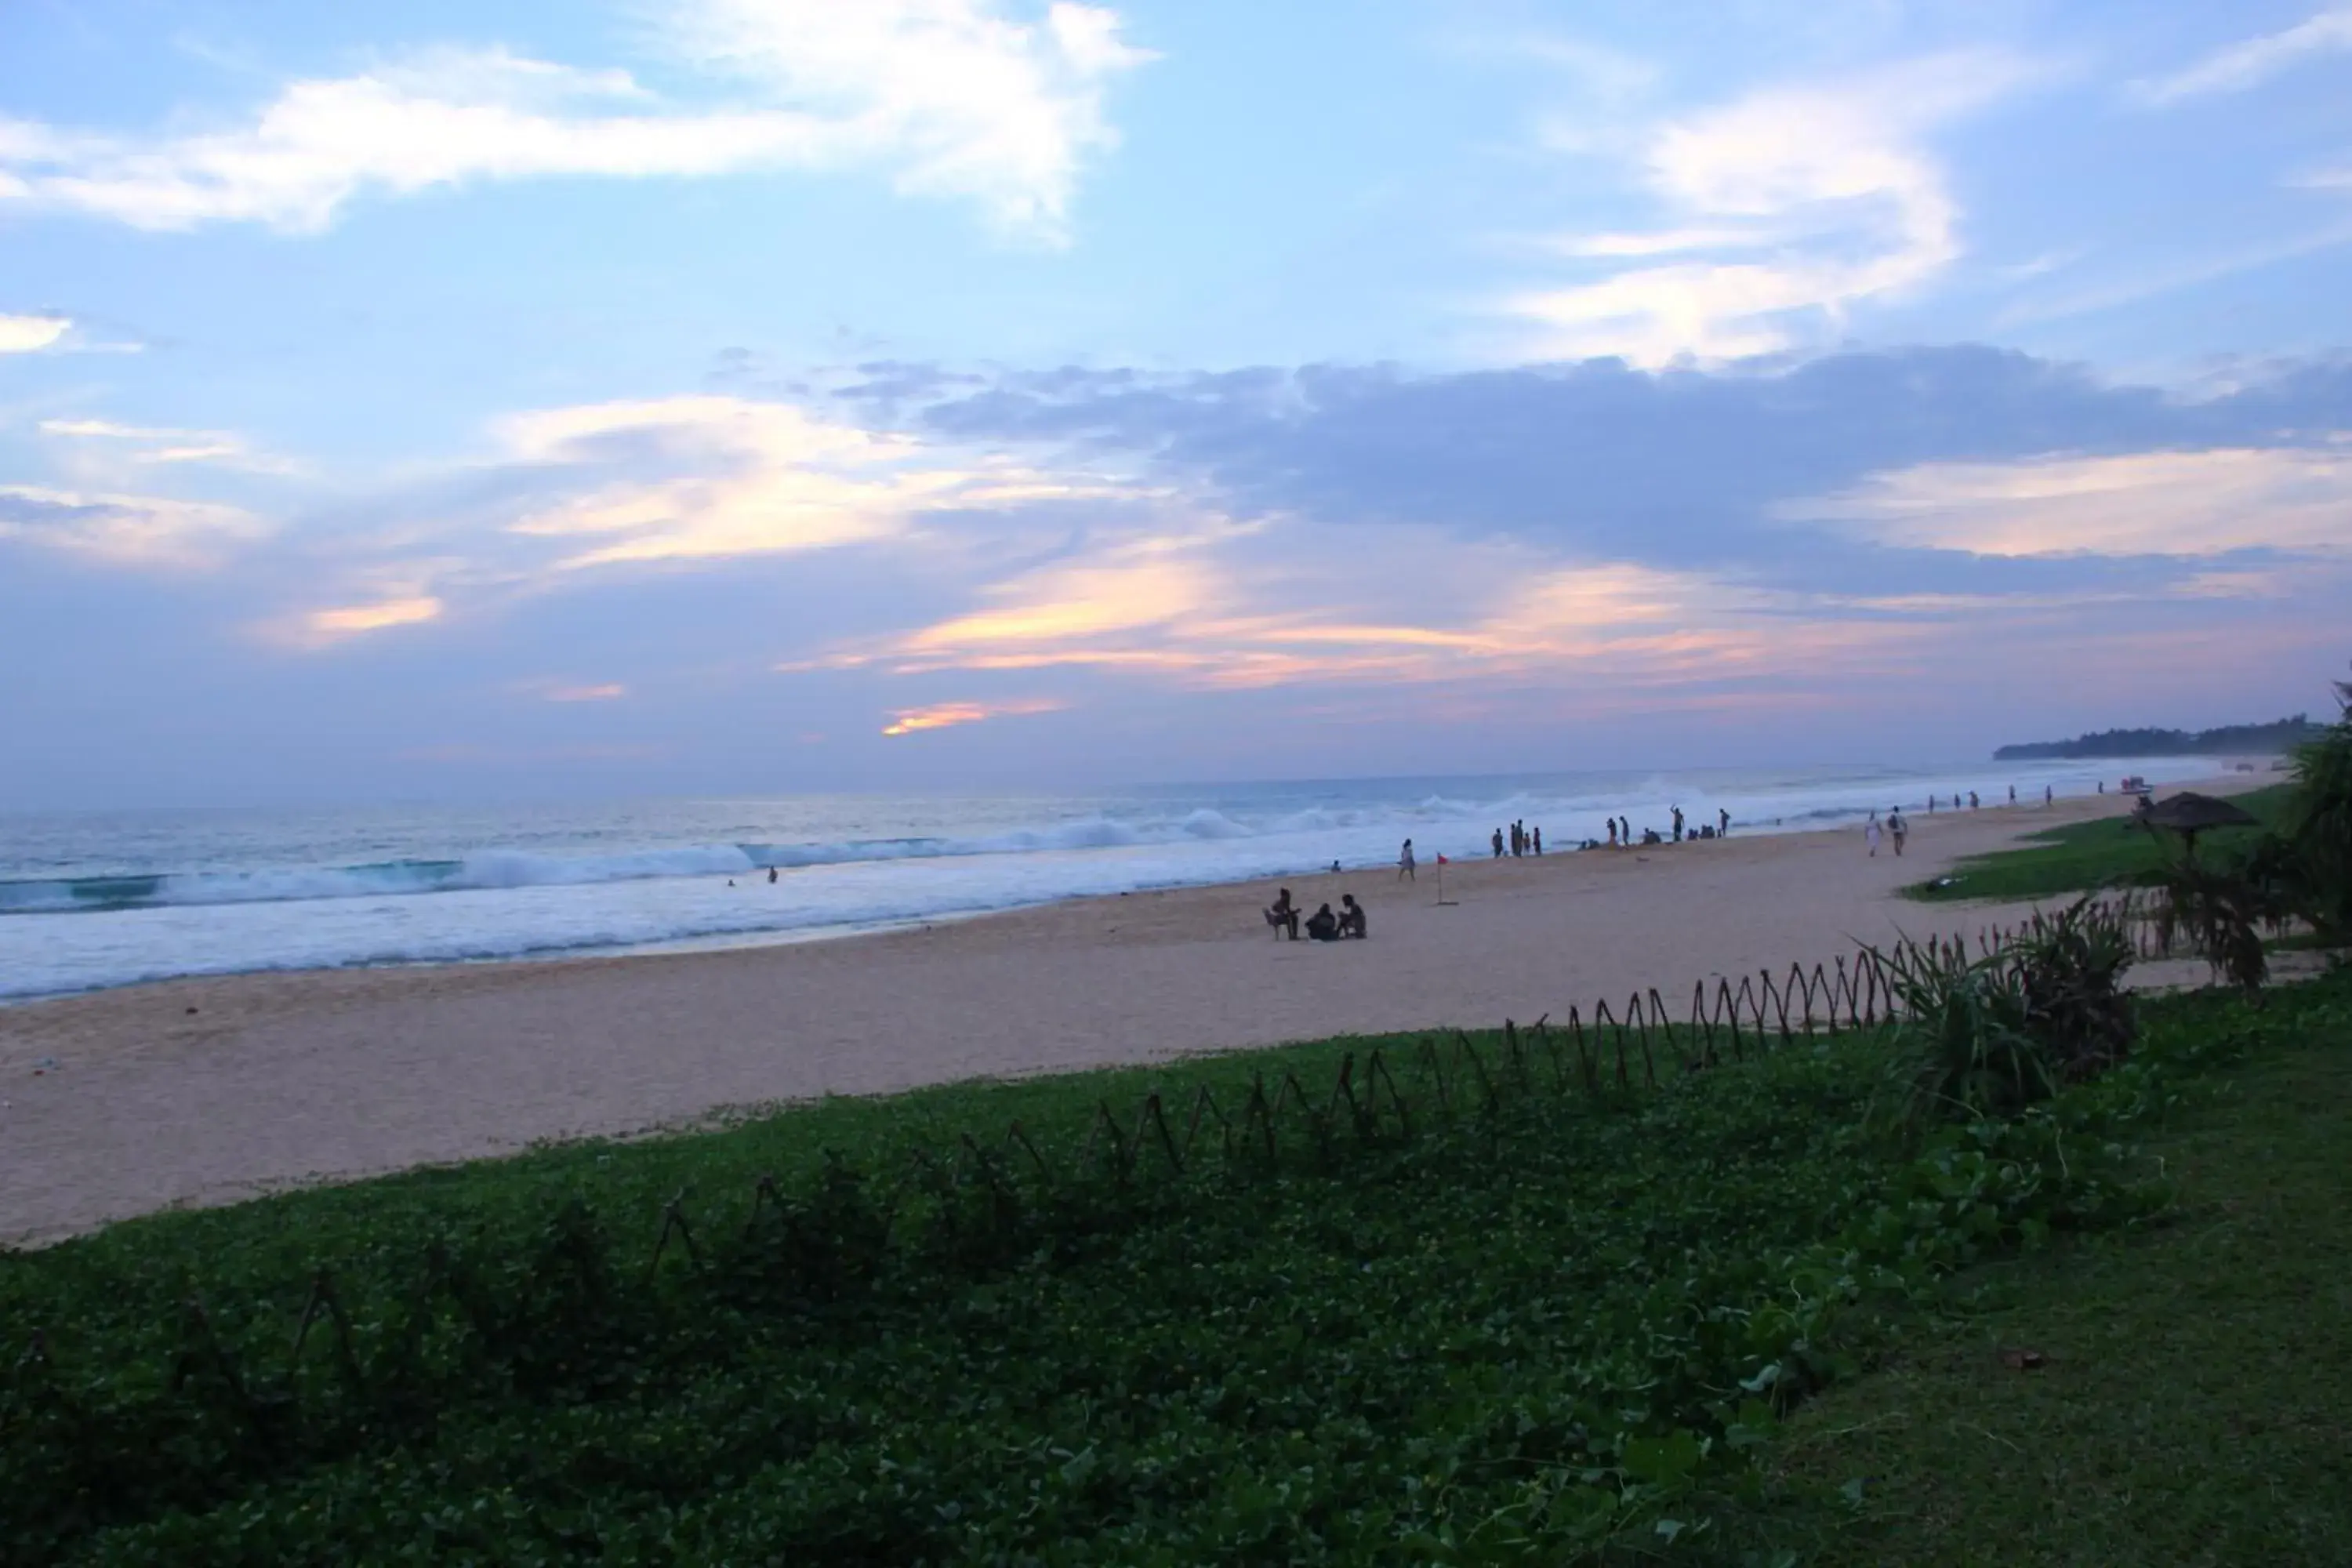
(206, 1091)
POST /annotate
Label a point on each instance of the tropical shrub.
(1986, 1037)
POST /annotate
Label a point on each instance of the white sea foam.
(91, 903)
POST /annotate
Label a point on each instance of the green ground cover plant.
(1493, 1298)
(2081, 856)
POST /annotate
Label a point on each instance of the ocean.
(95, 899)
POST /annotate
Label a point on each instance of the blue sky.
(729, 394)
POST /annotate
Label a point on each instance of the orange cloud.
(947, 715)
(350, 620)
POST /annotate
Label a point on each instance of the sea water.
(97, 900)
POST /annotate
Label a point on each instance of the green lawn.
(2196, 1403)
(2085, 854)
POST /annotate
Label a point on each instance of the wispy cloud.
(706, 478)
(948, 715)
(343, 621)
(2165, 279)
(159, 444)
(153, 532)
(1790, 206)
(600, 691)
(949, 97)
(2250, 64)
(2192, 503)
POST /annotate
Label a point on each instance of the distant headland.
(2278, 735)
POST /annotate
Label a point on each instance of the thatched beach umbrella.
(2190, 813)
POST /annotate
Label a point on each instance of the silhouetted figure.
(1972, 800)
(2103, 789)
(1678, 824)
(1722, 823)
(1625, 832)
(1537, 834)
(1323, 925)
(1897, 829)
(2049, 795)
(1351, 916)
(1499, 844)
(1931, 806)
(2012, 795)
(1650, 836)
(771, 876)
(1282, 916)
(1406, 869)
(1612, 833)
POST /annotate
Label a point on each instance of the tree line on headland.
(2280, 735)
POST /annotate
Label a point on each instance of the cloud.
(947, 715)
(1791, 207)
(968, 102)
(705, 477)
(353, 620)
(949, 96)
(153, 533)
(1667, 469)
(602, 691)
(2250, 64)
(169, 445)
(31, 334)
(2192, 503)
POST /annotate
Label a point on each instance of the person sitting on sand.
(1282, 916)
(1351, 916)
(1323, 925)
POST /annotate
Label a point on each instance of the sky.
(488, 400)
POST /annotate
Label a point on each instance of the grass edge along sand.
(2079, 856)
(2172, 1392)
(1483, 1300)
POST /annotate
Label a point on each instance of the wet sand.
(204, 1091)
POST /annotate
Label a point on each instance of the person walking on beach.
(1870, 834)
(1499, 844)
(1625, 833)
(1897, 829)
(1406, 870)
